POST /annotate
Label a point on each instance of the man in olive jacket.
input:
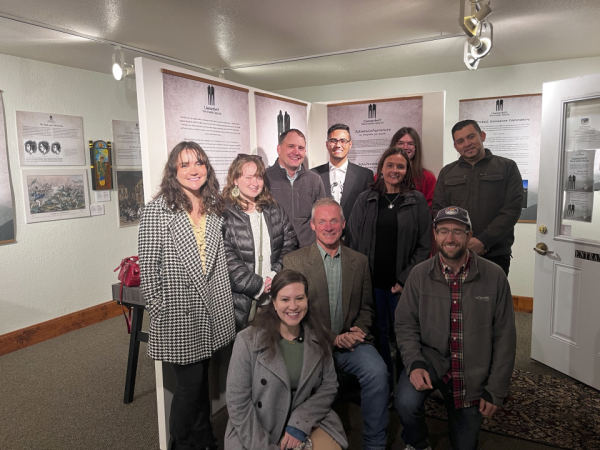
(339, 291)
(456, 332)
(489, 187)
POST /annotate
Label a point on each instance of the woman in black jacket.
(391, 224)
(257, 235)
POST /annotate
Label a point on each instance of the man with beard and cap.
(456, 332)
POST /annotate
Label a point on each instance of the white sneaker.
(410, 447)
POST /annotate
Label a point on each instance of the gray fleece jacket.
(298, 199)
(489, 341)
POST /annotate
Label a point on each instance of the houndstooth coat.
(191, 314)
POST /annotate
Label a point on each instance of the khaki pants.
(322, 441)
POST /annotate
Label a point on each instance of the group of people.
(326, 271)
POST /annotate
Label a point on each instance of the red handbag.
(129, 276)
(130, 271)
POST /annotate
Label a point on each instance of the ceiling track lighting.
(119, 68)
(478, 30)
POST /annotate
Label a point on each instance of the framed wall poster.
(55, 194)
(130, 185)
(101, 161)
(50, 139)
(7, 207)
(274, 115)
(373, 123)
(126, 146)
(513, 128)
(216, 115)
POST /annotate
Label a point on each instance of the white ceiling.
(225, 33)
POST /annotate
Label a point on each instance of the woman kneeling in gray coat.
(281, 380)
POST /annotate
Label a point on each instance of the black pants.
(189, 421)
(503, 261)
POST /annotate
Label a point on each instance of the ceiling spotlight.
(472, 13)
(482, 41)
(119, 68)
(470, 61)
(478, 46)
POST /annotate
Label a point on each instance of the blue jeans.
(369, 368)
(463, 424)
(385, 307)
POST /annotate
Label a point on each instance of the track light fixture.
(472, 13)
(478, 30)
(119, 68)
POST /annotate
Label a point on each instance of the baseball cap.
(453, 213)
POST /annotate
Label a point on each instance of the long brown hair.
(268, 320)
(407, 182)
(236, 170)
(416, 163)
(174, 195)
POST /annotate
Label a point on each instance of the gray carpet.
(67, 393)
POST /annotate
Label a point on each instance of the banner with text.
(513, 130)
(373, 123)
(215, 115)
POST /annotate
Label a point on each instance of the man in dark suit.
(343, 180)
(339, 291)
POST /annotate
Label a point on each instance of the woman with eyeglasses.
(391, 224)
(424, 180)
(257, 235)
(281, 380)
(186, 287)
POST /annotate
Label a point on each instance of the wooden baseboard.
(18, 339)
(523, 304)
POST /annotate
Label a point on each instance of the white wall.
(56, 268)
(481, 83)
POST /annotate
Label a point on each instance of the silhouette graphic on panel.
(374, 111)
(279, 124)
(370, 110)
(286, 122)
(211, 95)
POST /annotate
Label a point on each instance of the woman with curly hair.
(257, 235)
(281, 380)
(186, 287)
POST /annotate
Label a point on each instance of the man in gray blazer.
(343, 180)
(339, 290)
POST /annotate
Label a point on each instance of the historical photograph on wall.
(7, 207)
(55, 194)
(213, 114)
(513, 130)
(373, 123)
(274, 115)
(50, 139)
(130, 186)
(127, 149)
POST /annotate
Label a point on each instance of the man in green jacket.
(456, 332)
(489, 187)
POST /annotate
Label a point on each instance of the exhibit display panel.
(211, 113)
(274, 115)
(7, 207)
(373, 123)
(50, 139)
(127, 149)
(512, 125)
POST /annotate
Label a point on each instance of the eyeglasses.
(457, 232)
(333, 141)
(405, 144)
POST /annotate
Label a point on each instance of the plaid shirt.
(456, 374)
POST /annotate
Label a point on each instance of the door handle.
(541, 248)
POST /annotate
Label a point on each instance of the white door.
(566, 306)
